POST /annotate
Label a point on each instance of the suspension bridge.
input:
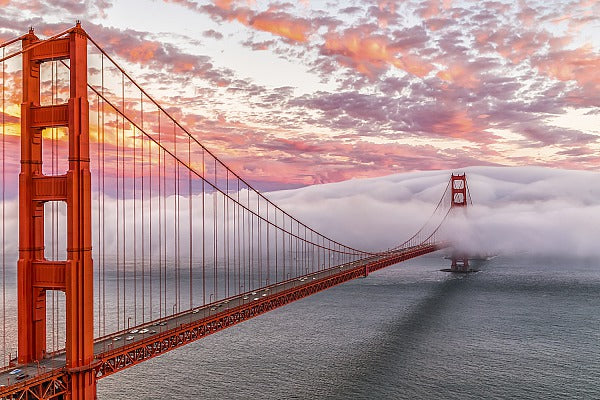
(133, 238)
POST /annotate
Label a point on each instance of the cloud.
(274, 20)
(211, 33)
(281, 24)
(371, 54)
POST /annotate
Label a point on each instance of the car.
(21, 376)
(14, 371)
(163, 324)
(196, 311)
(142, 331)
(264, 294)
(116, 338)
(213, 308)
(245, 297)
(134, 331)
(130, 337)
(226, 302)
(253, 292)
(152, 332)
(256, 298)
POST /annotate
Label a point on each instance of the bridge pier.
(460, 264)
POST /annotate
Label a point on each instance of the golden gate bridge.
(162, 245)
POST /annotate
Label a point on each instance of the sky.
(294, 94)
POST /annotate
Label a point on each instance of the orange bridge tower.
(458, 186)
(73, 276)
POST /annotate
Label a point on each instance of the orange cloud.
(276, 22)
(460, 75)
(283, 25)
(368, 54)
(458, 124)
(143, 52)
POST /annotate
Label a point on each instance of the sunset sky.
(292, 94)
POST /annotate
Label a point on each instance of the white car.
(129, 338)
(134, 331)
(14, 371)
(142, 331)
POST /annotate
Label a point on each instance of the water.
(521, 328)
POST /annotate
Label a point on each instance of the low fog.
(532, 210)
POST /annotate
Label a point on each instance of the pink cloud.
(280, 24)
(370, 54)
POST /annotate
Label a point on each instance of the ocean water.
(521, 328)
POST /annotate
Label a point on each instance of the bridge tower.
(73, 276)
(458, 186)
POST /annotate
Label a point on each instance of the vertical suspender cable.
(176, 222)
(239, 284)
(103, 260)
(203, 232)
(53, 161)
(283, 255)
(243, 252)
(259, 226)
(125, 319)
(164, 227)
(150, 244)
(4, 362)
(268, 248)
(99, 226)
(191, 234)
(143, 213)
(118, 232)
(215, 233)
(135, 242)
(160, 254)
(276, 247)
(226, 231)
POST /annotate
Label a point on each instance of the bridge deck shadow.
(377, 357)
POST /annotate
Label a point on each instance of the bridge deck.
(124, 349)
